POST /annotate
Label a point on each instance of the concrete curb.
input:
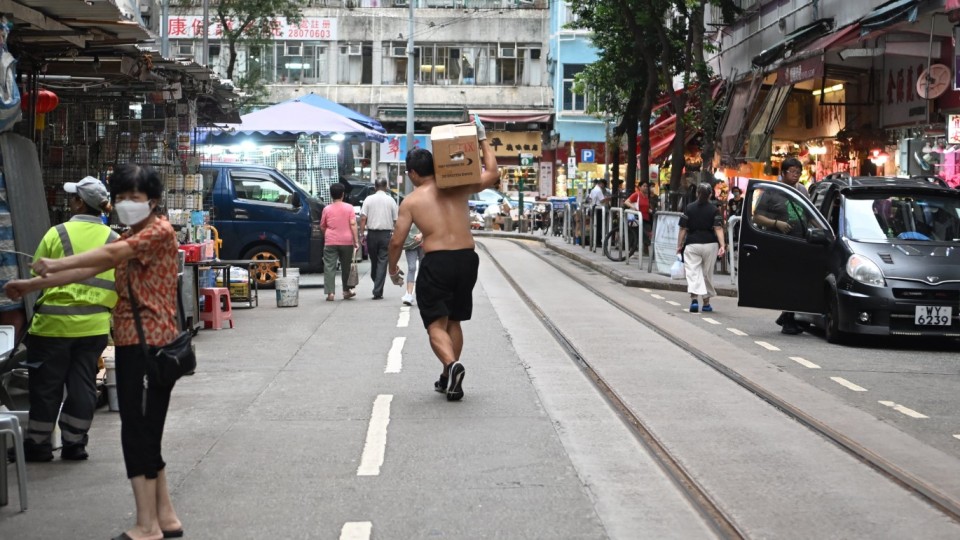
(655, 281)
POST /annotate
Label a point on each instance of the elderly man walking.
(377, 216)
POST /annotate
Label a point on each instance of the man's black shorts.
(445, 283)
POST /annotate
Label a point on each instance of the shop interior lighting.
(332, 149)
(248, 146)
(296, 65)
(817, 150)
(879, 157)
(829, 89)
(338, 137)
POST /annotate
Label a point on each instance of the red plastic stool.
(216, 307)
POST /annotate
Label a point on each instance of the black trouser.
(56, 362)
(141, 416)
(377, 243)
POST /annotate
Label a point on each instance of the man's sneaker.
(75, 452)
(455, 388)
(441, 384)
(694, 307)
(707, 308)
(408, 299)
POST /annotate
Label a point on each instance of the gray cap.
(90, 190)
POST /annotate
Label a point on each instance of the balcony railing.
(434, 4)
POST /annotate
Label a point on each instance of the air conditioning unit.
(507, 52)
(398, 52)
(294, 49)
(354, 49)
(400, 3)
(185, 48)
(534, 54)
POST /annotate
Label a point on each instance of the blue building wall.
(570, 47)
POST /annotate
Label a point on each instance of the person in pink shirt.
(340, 240)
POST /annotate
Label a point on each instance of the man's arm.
(363, 224)
(490, 176)
(400, 230)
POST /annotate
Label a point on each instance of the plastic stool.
(216, 307)
(9, 424)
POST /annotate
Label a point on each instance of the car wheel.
(831, 326)
(264, 273)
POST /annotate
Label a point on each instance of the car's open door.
(777, 269)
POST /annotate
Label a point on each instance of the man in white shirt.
(597, 197)
(377, 217)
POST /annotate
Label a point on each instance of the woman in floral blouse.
(145, 258)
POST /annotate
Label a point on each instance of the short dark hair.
(420, 161)
(790, 163)
(336, 191)
(381, 184)
(130, 177)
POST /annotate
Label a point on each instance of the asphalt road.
(321, 421)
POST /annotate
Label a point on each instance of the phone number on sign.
(315, 33)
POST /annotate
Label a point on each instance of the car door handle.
(240, 214)
(748, 247)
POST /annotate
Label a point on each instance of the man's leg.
(456, 338)
(442, 343)
(77, 413)
(381, 273)
(49, 360)
(373, 248)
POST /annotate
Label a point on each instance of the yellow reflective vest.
(78, 309)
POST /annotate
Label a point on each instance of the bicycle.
(613, 246)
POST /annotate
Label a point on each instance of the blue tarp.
(332, 106)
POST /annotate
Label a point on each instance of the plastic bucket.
(288, 291)
(291, 272)
(111, 383)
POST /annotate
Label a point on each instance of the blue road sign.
(586, 156)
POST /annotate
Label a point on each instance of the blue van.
(257, 211)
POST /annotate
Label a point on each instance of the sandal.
(330, 298)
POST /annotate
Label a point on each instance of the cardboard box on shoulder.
(456, 155)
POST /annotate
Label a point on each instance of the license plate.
(933, 315)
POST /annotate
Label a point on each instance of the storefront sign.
(901, 104)
(811, 68)
(546, 178)
(394, 150)
(953, 129)
(512, 143)
(309, 28)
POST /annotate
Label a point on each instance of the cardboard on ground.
(456, 155)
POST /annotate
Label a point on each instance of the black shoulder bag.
(167, 363)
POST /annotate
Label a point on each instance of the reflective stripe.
(47, 309)
(74, 422)
(99, 283)
(38, 426)
(66, 436)
(64, 240)
(40, 438)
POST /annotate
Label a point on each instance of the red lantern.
(46, 101)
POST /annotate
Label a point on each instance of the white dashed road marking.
(957, 436)
(404, 319)
(395, 356)
(645, 290)
(356, 530)
(711, 321)
(736, 332)
(657, 296)
(375, 446)
(767, 346)
(843, 382)
(804, 363)
(901, 409)
(672, 303)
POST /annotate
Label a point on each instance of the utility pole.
(205, 53)
(165, 30)
(411, 60)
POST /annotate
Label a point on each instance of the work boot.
(74, 452)
(32, 452)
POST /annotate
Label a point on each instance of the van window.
(924, 217)
(260, 190)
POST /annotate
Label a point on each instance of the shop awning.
(889, 14)
(420, 114)
(736, 121)
(324, 103)
(297, 117)
(790, 41)
(522, 116)
(761, 130)
(51, 21)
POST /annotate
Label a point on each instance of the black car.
(865, 255)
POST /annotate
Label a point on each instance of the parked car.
(875, 256)
(259, 213)
(479, 201)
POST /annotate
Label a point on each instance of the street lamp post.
(411, 60)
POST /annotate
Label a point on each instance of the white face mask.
(132, 212)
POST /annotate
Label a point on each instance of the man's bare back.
(442, 216)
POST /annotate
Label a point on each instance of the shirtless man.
(448, 270)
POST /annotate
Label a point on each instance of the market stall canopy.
(889, 14)
(79, 23)
(332, 106)
(302, 118)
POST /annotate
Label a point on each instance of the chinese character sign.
(394, 150)
(309, 28)
(953, 129)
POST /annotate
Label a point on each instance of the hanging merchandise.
(9, 92)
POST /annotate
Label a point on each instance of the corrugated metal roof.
(119, 18)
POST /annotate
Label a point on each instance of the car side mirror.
(295, 200)
(818, 236)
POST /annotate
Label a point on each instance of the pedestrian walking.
(340, 242)
(145, 259)
(701, 242)
(377, 217)
(413, 249)
(69, 331)
(448, 271)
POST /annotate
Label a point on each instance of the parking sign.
(587, 156)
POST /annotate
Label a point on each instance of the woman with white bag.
(701, 242)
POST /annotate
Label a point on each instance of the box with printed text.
(456, 155)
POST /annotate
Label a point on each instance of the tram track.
(709, 509)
